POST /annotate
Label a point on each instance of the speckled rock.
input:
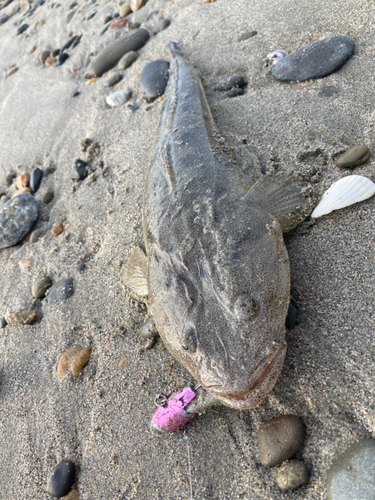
(62, 479)
(279, 439)
(154, 79)
(110, 55)
(127, 60)
(16, 219)
(292, 475)
(41, 283)
(61, 291)
(73, 360)
(316, 60)
(352, 474)
(20, 317)
(354, 157)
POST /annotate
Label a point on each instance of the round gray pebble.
(60, 291)
(16, 219)
(62, 479)
(291, 475)
(352, 474)
(154, 79)
(161, 26)
(246, 35)
(48, 197)
(127, 60)
(41, 284)
(35, 235)
(113, 80)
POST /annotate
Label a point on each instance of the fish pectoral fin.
(285, 196)
(135, 272)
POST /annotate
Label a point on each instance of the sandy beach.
(101, 419)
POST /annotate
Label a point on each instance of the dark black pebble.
(70, 42)
(292, 318)
(22, 28)
(104, 29)
(4, 18)
(10, 178)
(113, 80)
(35, 179)
(48, 197)
(246, 35)
(90, 16)
(3, 323)
(154, 79)
(80, 171)
(327, 91)
(133, 107)
(316, 60)
(56, 52)
(16, 219)
(235, 92)
(161, 26)
(108, 19)
(63, 57)
(115, 14)
(62, 479)
(231, 83)
(75, 93)
(60, 291)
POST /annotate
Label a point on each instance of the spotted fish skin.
(218, 270)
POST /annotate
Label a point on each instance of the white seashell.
(344, 192)
(276, 55)
(118, 98)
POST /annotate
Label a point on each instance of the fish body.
(218, 273)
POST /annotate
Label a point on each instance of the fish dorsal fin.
(283, 195)
(135, 273)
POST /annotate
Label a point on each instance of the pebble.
(10, 178)
(50, 61)
(35, 235)
(235, 92)
(279, 439)
(60, 291)
(127, 60)
(20, 317)
(48, 197)
(327, 91)
(354, 157)
(62, 479)
(75, 93)
(92, 80)
(4, 18)
(124, 9)
(113, 80)
(110, 55)
(73, 360)
(154, 79)
(41, 283)
(3, 322)
(351, 476)
(33, 49)
(148, 330)
(39, 24)
(104, 29)
(63, 57)
(35, 179)
(161, 26)
(136, 4)
(316, 60)
(23, 180)
(80, 171)
(230, 83)
(118, 23)
(70, 42)
(11, 72)
(22, 28)
(21, 191)
(25, 263)
(291, 475)
(58, 229)
(122, 362)
(73, 495)
(118, 98)
(16, 219)
(246, 35)
(44, 55)
(49, 170)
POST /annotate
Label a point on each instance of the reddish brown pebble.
(73, 360)
(279, 439)
(24, 263)
(33, 49)
(119, 22)
(21, 191)
(73, 495)
(50, 60)
(122, 362)
(20, 317)
(58, 229)
(23, 180)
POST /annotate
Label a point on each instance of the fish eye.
(246, 307)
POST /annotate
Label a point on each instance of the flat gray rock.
(352, 475)
(16, 219)
(60, 291)
(154, 79)
(316, 60)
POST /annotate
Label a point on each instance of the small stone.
(121, 362)
(136, 4)
(4, 18)
(127, 60)
(91, 80)
(279, 439)
(41, 284)
(291, 475)
(10, 178)
(35, 235)
(11, 72)
(118, 23)
(63, 57)
(113, 80)
(354, 157)
(16, 219)
(80, 171)
(73, 360)
(148, 330)
(44, 55)
(23, 180)
(118, 98)
(73, 495)
(48, 197)
(231, 83)
(22, 28)
(327, 91)
(246, 35)
(35, 179)
(316, 60)
(20, 317)
(81, 267)
(154, 79)
(25, 263)
(39, 24)
(49, 170)
(50, 61)
(62, 479)
(72, 5)
(124, 9)
(352, 474)
(58, 229)
(133, 25)
(21, 191)
(75, 93)
(235, 92)
(161, 26)
(72, 42)
(33, 49)
(3, 322)
(60, 291)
